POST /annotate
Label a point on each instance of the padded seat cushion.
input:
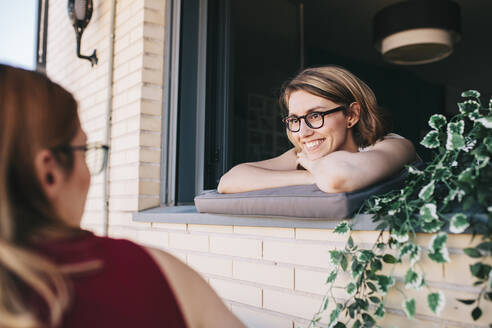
(305, 201)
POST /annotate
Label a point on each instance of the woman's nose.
(304, 129)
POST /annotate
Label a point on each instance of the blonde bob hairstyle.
(35, 114)
(343, 88)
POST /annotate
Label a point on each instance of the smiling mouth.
(313, 145)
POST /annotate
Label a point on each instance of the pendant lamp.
(417, 31)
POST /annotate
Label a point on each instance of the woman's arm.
(199, 304)
(276, 172)
(343, 171)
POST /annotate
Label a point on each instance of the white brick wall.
(136, 106)
(270, 279)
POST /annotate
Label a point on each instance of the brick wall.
(274, 277)
(136, 106)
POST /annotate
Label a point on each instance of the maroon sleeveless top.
(129, 290)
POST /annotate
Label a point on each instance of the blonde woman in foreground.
(53, 273)
(341, 139)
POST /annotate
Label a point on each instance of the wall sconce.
(417, 31)
(80, 13)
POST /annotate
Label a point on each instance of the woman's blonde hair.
(344, 88)
(35, 114)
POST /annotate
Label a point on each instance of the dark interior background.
(265, 50)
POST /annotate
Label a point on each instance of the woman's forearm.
(245, 177)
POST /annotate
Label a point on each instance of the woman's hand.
(304, 161)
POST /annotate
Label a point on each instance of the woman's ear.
(353, 114)
(49, 173)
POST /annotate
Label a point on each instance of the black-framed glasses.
(314, 120)
(96, 155)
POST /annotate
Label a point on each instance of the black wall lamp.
(80, 13)
(417, 31)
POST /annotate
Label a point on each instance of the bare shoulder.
(200, 305)
(396, 146)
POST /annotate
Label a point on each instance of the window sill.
(189, 215)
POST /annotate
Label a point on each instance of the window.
(230, 58)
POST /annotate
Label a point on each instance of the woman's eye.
(314, 116)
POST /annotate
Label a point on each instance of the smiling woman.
(341, 138)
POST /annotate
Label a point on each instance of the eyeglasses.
(96, 155)
(314, 120)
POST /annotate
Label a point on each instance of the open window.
(235, 55)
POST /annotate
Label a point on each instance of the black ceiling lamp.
(417, 31)
(80, 13)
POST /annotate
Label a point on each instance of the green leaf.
(400, 236)
(456, 127)
(459, 223)
(438, 241)
(455, 141)
(467, 302)
(476, 313)
(467, 175)
(388, 258)
(344, 263)
(427, 191)
(431, 140)
(438, 251)
(376, 265)
(442, 173)
(335, 257)
(439, 256)
(350, 242)
(339, 325)
(380, 311)
(412, 250)
(413, 279)
(368, 320)
(365, 256)
(356, 267)
(335, 313)
(468, 106)
(472, 252)
(351, 287)
(485, 246)
(356, 324)
(470, 93)
(431, 226)
(485, 121)
(374, 299)
(332, 277)
(480, 270)
(436, 302)
(437, 121)
(371, 286)
(410, 307)
(342, 228)
(384, 283)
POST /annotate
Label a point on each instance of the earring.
(49, 178)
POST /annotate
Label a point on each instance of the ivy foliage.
(453, 193)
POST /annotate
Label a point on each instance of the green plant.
(452, 193)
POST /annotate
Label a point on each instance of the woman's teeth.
(313, 144)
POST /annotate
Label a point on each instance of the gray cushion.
(305, 201)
